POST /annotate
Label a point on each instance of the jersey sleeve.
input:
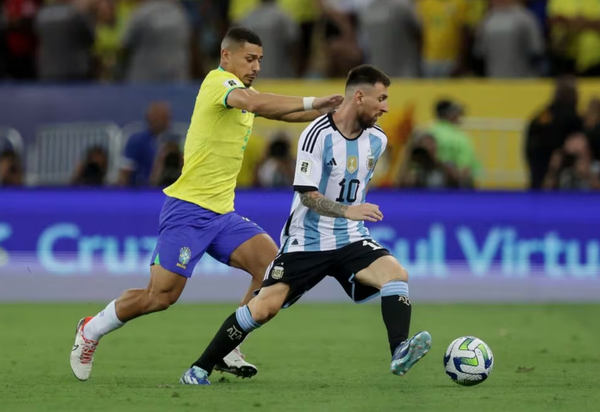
(220, 86)
(309, 161)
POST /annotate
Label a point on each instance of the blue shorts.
(187, 231)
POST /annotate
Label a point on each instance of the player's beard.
(367, 122)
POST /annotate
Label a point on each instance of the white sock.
(103, 323)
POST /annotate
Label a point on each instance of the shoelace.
(87, 352)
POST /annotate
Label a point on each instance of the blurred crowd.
(175, 41)
(178, 40)
(561, 149)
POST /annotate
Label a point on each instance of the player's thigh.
(355, 290)
(383, 270)
(185, 233)
(301, 271)
(243, 244)
(372, 264)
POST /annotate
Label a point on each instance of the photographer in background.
(11, 172)
(454, 146)
(277, 170)
(93, 169)
(423, 169)
(572, 166)
(168, 164)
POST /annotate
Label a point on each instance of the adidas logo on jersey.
(332, 162)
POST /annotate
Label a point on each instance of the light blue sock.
(395, 288)
(244, 318)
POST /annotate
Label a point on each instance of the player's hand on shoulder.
(364, 211)
(327, 104)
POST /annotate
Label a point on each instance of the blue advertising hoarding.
(456, 245)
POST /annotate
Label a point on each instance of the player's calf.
(391, 278)
(240, 324)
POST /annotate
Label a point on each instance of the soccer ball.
(468, 361)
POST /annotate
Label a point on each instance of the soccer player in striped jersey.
(325, 234)
(198, 214)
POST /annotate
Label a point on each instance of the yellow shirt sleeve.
(219, 87)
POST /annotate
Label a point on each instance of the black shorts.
(304, 270)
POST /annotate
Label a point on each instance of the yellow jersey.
(443, 22)
(583, 46)
(214, 146)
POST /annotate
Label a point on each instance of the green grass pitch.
(312, 357)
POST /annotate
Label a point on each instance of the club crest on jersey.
(370, 162)
(352, 164)
(277, 272)
(185, 254)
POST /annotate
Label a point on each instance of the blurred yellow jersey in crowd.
(582, 46)
(214, 146)
(443, 22)
(300, 10)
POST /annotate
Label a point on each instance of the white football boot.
(82, 354)
(235, 363)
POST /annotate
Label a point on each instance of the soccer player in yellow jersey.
(198, 214)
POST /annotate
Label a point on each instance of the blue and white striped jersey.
(338, 168)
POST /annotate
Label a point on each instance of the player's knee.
(264, 311)
(398, 274)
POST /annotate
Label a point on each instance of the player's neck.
(346, 123)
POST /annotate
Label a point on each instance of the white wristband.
(308, 103)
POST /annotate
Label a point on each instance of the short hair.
(367, 74)
(242, 35)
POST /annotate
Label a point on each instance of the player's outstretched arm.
(327, 207)
(274, 106)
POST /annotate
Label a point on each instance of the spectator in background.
(107, 42)
(393, 33)
(66, 37)
(168, 164)
(141, 148)
(572, 166)
(342, 48)
(304, 13)
(277, 170)
(11, 172)
(550, 128)
(454, 147)
(575, 36)
(280, 36)
(111, 17)
(423, 169)
(19, 38)
(510, 41)
(445, 31)
(156, 43)
(93, 169)
(591, 127)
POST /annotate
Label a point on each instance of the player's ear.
(359, 96)
(225, 54)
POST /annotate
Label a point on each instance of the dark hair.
(242, 34)
(447, 107)
(367, 74)
(279, 149)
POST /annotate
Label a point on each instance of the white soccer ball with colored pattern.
(468, 361)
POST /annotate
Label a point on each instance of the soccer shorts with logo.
(304, 270)
(188, 231)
